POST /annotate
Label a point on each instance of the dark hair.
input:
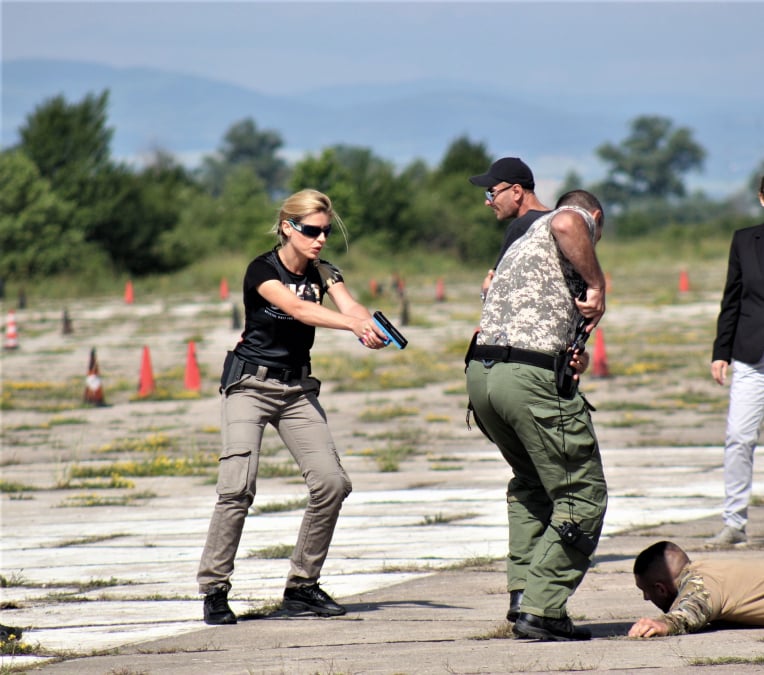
(583, 199)
(649, 557)
(761, 187)
(661, 559)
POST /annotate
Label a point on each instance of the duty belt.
(490, 354)
(282, 374)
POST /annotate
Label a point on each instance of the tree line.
(67, 206)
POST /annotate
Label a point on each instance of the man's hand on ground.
(648, 628)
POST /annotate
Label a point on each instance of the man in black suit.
(740, 336)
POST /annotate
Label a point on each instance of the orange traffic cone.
(373, 288)
(129, 292)
(11, 335)
(146, 385)
(93, 385)
(193, 381)
(440, 290)
(224, 289)
(599, 358)
(684, 282)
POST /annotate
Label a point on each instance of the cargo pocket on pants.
(567, 432)
(232, 472)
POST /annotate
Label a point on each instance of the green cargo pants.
(550, 444)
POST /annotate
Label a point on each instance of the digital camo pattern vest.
(530, 303)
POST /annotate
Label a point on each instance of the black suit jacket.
(740, 327)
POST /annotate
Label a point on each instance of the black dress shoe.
(216, 609)
(544, 628)
(311, 599)
(515, 600)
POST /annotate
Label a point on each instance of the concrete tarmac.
(452, 622)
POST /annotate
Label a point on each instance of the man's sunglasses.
(312, 231)
(490, 195)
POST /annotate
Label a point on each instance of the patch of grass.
(115, 481)
(390, 457)
(276, 552)
(16, 579)
(278, 507)
(441, 519)
(437, 419)
(274, 470)
(626, 421)
(726, 660)
(19, 581)
(61, 421)
(152, 443)
(161, 465)
(11, 487)
(445, 467)
(386, 413)
(80, 541)
(501, 632)
(88, 500)
(476, 562)
(261, 611)
(13, 646)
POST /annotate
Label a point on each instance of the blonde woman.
(267, 380)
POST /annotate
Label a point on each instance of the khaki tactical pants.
(550, 444)
(294, 411)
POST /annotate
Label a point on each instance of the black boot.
(545, 628)
(216, 609)
(311, 599)
(515, 600)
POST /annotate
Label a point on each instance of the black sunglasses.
(312, 231)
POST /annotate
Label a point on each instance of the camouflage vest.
(530, 303)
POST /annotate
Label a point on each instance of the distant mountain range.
(188, 116)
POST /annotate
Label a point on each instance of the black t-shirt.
(516, 229)
(271, 337)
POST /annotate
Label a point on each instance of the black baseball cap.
(506, 170)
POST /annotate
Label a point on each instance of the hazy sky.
(650, 48)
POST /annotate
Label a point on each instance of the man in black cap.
(510, 193)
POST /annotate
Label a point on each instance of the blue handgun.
(392, 333)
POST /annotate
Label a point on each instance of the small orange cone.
(93, 385)
(146, 385)
(440, 290)
(599, 357)
(684, 282)
(193, 381)
(224, 289)
(11, 334)
(374, 287)
(129, 292)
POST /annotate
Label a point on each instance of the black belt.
(494, 353)
(281, 374)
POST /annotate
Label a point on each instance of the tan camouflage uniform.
(712, 590)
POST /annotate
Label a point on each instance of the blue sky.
(670, 58)
(650, 48)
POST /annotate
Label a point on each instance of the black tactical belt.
(490, 354)
(281, 374)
